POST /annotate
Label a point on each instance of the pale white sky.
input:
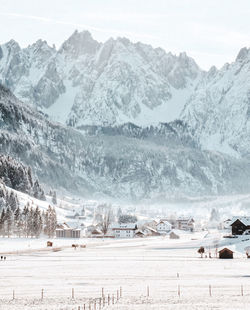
(211, 31)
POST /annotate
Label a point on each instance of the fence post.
(95, 305)
(242, 293)
(84, 308)
(102, 292)
(113, 299)
(108, 299)
(13, 295)
(100, 303)
(210, 291)
(179, 290)
(117, 295)
(147, 291)
(120, 291)
(42, 294)
(73, 294)
(89, 305)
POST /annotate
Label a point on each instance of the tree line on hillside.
(29, 222)
(19, 177)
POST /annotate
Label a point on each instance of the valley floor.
(154, 266)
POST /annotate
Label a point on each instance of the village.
(111, 257)
(97, 255)
(106, 225)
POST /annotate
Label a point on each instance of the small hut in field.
(226, 254)
(173, 235)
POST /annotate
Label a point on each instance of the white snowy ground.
(131, 264)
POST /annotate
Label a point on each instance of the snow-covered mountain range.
(90, 83)
(219, 108)
(85, 82)
(124, 98)
(125, 162)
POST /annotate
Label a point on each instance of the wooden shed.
(226, 253)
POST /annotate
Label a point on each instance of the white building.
(124, 230)
(187, 224)
(163, 227)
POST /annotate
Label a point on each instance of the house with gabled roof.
(163, 227)
(124, 230)
(185, 223)
(240, 225)
(65, 230)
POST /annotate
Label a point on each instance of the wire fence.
(106, 298)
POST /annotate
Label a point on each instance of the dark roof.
(245, 220)
(225, 249)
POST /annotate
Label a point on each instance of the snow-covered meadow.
(158, 263)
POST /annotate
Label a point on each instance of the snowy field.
(158, 263)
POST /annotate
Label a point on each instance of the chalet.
(151, 231)
(73, 215)
(226, 253)
(185, 224)
(240, 225)
(140, 234)
(126, 230)
(151, 224)
(65, 231)
(182, 223)
(163, 227)
(96, 233)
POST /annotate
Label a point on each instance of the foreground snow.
(160, 263)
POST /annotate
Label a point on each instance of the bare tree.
(106, 219)
(216, 245)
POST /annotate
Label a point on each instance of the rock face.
(89, 83)
(123, 162)
(219, 109)
(124, 99)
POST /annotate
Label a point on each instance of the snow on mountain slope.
(121, 162)
(89, 83)
(219, 108)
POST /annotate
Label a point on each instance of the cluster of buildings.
(74, 227)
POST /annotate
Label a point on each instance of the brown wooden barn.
(240, 225)
(226, 253)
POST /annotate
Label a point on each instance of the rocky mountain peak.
(243, 54)
(12, 46)
(79, 43)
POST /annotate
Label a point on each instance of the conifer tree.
(2, 222)
(37, 222)
(9, 221)
(54, 199)
(31, 222)
(25, 217)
